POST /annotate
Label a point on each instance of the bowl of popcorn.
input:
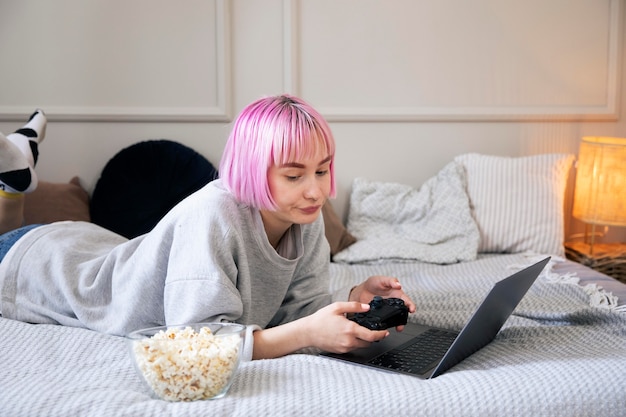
(188, 362)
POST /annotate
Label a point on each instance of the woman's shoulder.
(211, 196)
(213, 202)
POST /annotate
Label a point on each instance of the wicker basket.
(608, 258)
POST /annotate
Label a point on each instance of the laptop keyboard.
(418, 355)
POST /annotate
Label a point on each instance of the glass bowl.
(188, 362)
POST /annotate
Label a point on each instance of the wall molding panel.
(534, 70)
(123, 72)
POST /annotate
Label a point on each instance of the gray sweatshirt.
(208, 259)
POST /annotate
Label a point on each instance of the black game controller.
(383, 314)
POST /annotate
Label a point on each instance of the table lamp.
(600, 192)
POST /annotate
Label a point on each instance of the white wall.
(406, 84)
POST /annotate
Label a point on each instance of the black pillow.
(142, 182)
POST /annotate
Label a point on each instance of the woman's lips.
(310, 210)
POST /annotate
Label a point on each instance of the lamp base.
(607, 258)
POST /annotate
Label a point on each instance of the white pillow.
(518, 202)
(395, 221)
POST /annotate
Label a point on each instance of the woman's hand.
(335, 333)
(385, 287)
(327, 329)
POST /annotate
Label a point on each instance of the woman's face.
(300, 189)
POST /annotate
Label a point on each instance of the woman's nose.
(313, 191)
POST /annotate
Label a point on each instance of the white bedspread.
(557, 356)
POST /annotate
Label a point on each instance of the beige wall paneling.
(117, 60)
(484, 60)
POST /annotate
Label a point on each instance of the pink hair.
(272, 131)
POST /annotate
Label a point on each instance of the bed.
(561, 353)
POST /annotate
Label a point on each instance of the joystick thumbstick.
(376, 302)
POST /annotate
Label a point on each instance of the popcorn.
(181, 364)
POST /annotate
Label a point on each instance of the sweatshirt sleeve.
(201, 299)
(202, 270)
(248, 343)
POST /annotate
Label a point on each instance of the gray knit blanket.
(560, 354)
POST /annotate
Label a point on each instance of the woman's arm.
(328, 329)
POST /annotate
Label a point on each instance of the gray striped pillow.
(518, 202)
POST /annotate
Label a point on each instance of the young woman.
(249, 247)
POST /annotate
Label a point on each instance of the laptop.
(427, 352)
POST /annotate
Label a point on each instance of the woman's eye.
(321, 173)
(292, 177)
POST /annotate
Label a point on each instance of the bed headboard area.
(475, 204)
(433, 82)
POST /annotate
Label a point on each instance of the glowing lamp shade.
(600, 193)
